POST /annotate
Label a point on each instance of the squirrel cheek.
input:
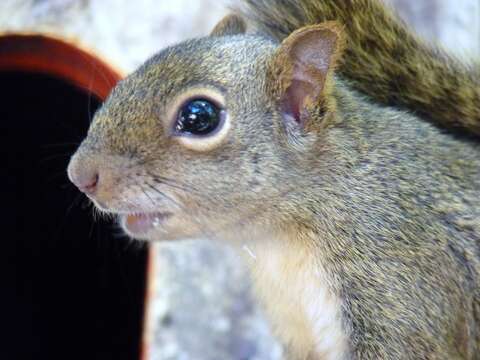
(207, 143)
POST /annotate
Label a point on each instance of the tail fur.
(383, 59)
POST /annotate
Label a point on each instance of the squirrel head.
(212, 133)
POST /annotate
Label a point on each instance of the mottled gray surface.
(202, 308)
(453, 23)
(123, 31)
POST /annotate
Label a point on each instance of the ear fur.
(302, 68)
(230, 25)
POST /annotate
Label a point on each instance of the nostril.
(84, 173)
(86, 182)
(90, 185)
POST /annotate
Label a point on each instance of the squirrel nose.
(86, 183)
(85, 178)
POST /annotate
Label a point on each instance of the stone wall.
(125, 32)
(454, 24)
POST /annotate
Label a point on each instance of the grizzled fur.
(383, 201)
(384, 59)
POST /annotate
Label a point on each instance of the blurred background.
(75, 287)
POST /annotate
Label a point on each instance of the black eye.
(198, 117)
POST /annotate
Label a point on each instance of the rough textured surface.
(455, 24)
(202, 307)
(124, 32)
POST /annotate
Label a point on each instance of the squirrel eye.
(198, 117)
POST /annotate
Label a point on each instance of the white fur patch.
(304, 312)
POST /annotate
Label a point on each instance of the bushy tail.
(383, 59)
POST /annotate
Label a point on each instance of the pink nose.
(86, 183)
(84, 176)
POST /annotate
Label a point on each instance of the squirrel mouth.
(142, 223)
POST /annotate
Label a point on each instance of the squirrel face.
(193, 143)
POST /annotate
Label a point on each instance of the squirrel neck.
(298, 294)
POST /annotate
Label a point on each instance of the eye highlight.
(198, 117)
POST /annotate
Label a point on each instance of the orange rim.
(45, 54)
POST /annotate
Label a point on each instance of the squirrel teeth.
(156, 221)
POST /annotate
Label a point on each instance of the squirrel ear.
(303, 66)
(230, 25)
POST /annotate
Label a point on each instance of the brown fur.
(384, 59)
(370, 209)
(230, 25)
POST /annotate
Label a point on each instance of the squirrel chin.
(141, 225)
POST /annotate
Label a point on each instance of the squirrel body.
(404, 268)
(294, 289)
(361, 219)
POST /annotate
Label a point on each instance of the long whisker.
(173, 183)
(148, 196)
(161, 193)
(53, 157)
(46, 146)
(93, 225)
(99, 213)
(74, 203)
(201, 225)
(56, 176)
(103, 74)
(249, 217)
(86, 203)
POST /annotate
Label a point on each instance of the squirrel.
(334, 146)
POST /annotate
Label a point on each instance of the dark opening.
(74, 287)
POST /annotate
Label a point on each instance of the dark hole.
(73, 287)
